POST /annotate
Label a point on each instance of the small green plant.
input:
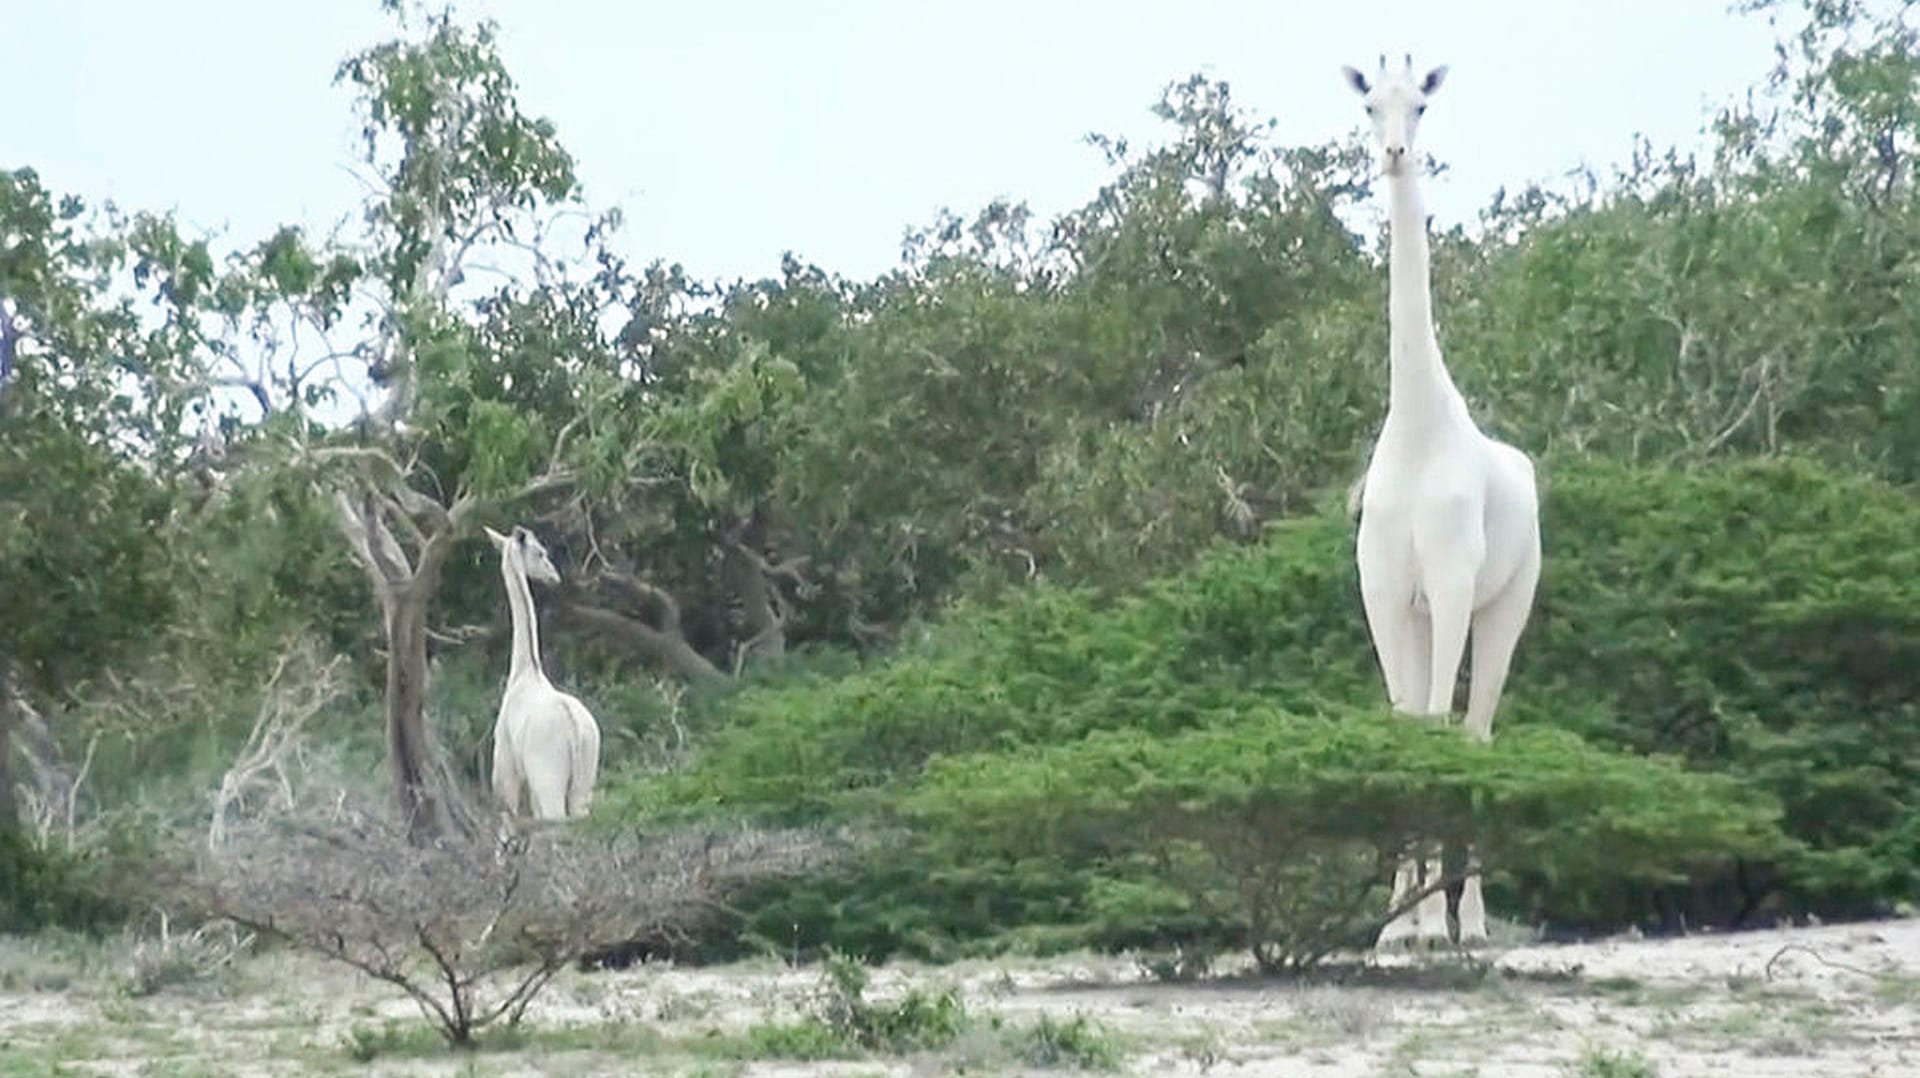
(1079, 1042)
(843, 1024)
(1598, 1063)
(41, 887)
(807, 1040)
(364, 1044)
(918, 1021)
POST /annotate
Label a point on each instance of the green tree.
(94, 449)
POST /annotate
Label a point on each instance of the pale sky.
(730, 131)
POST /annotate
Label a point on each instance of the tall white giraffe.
(545, 741)
(1449, 537)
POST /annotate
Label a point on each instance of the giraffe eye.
(1420, 110)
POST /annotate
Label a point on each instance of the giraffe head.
(1395, 100)
(527, 548)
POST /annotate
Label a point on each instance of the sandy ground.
(1835, 1001)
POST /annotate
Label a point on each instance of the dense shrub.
(1755, 620)
(1763, 620)
(41, 887)
(1288, 828)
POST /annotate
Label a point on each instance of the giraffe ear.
(497, 539)
(1433, 80)
(1356, 79)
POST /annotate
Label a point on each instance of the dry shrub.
(473, 927)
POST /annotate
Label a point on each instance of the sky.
(731, 131)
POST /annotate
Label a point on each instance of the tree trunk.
(419, 795)
(768, 640)
(423, 789)
(750, 575)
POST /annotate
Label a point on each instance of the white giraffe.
(545, 741)
(1449, 536)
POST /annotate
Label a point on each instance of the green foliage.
(1287, 827)
(1078, 1042)
(916, 1022)
(1204, 760)
(808, 1040)
(1759, 620)
(364, 1044)
(88, 410)
(843, 1024)
(41, 887)
(1599, 1063)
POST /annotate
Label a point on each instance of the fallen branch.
(1816, 956)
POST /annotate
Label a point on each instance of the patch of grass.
(1897, 989)
(53, 1051)
(1080, 1042)
(52, 960)
(807, 1040)
(843, 1023)
(121, 1012)
(19, 1062)
(1347, 1015)
(395, 1040)
(1772, 1021)
(678, 1007)
(1205, 1050)
(179, 1068)
(918, 1021)
(1413, 1049)
(364, 1044)
(200, 958)
(1598, 1063)
(1634, 992)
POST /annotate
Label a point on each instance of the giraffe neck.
(1420, 386)
(526, 631)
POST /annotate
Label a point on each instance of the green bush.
(1288, 828)
(1756, 621)
(1761, 620)
(1079, 1042)
(44, 888)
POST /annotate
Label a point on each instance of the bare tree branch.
(493, 919)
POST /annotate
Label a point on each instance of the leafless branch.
(472, 928)
(286, 706)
